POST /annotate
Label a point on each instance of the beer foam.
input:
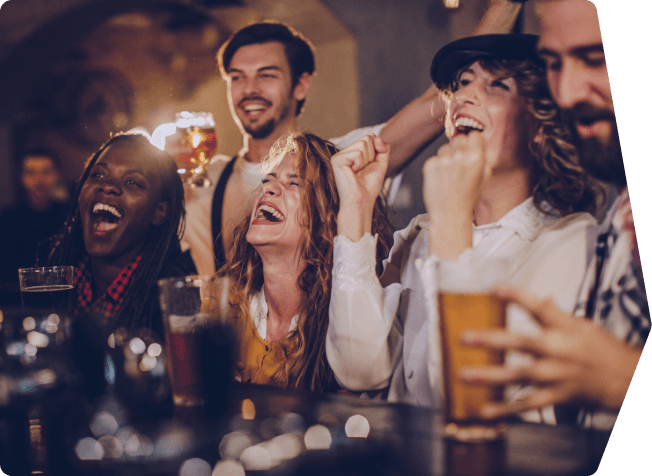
(184, 324)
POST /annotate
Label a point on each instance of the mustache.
(586, 114)
(254, 98)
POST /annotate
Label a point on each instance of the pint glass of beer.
(198, 130)
(190, 304)
(465, 303)
(47, 288)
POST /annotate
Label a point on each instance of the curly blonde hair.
(306, 366)
(558, 180)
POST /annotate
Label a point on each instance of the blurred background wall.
(74, 71)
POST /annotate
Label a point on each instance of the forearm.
(353, 221)
(500, 17)
(615, 384)
(413, 128)
(358, 344)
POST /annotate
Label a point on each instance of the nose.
(469, 93)
(271, 188)
(109, 187)
(250, 86)
(570, 85)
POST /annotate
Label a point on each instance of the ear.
(302, 87)
(161, 213)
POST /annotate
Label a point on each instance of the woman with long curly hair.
(122, 233)
(508, 184)
(281, 265)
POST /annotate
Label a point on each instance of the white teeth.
(254, 107)
(468, 122)
(270, 210)
(108, 208)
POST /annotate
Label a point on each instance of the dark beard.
(602, 161)
(265, 130)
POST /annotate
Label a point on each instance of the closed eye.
(500, 84)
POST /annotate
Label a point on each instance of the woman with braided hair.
(122, 233)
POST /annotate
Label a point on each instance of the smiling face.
(277, 215)
(121, 201)
(571, 45)
(260, 90)
(492, 106)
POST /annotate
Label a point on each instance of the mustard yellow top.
(262, 360)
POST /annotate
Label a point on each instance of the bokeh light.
(195, 467)
(357, 427)
(233, 444)
(256, 458)
(318, 437)
(228, 467)
(248, 410)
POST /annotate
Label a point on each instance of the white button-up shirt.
(387, 334)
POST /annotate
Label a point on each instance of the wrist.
(354, 221)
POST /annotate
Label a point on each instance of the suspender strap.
(216, 214)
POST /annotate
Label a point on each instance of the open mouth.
(265, 212)
(254, 105)
(464, 125)
(105, 217)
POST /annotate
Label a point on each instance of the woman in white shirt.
(281, 263)
(507, 184)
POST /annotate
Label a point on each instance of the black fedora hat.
(460, 53)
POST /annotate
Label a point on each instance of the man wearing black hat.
(493, 191)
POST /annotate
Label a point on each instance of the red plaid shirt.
(109, 303)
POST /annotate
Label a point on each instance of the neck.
(258, 149)
(502, 193)
(280, 275)
(104, 272)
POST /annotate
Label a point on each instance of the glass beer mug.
(198, 129)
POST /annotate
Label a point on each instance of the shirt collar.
(259, 310)
(525, 220)
(116, 291)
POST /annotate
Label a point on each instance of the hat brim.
(458, 54)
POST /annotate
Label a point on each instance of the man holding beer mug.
(576, 360)
(492, 192)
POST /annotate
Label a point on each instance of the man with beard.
(579, 361)
(268, 67)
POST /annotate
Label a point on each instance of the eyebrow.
(129, 171)
(264, 68)
(275, 175)
(579, 51)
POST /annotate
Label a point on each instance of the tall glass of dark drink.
(465, 303)
(47, 288)
(190, 305)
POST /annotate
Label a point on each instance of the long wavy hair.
(67, 247)
(306, 366)
(558, 180)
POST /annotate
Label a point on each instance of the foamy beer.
(189, 304)
(198, 129)
(465, 303)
